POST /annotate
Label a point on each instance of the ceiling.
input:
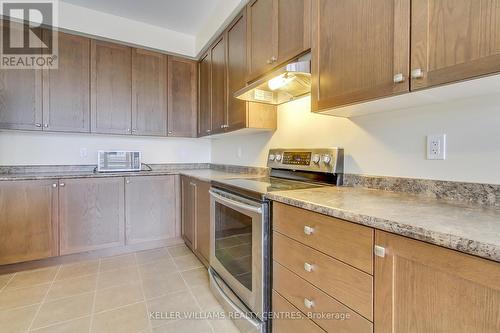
(184, 16)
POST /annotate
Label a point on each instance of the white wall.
(24, 148)
(388, 144)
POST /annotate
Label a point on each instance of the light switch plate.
(436, 147)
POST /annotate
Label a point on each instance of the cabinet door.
(149, 93)
(218, 89)
(203, 219)
(28, 220)
(205, 85)
(20, 92)
(453, 40)
(182, 97)
(424, 288)
(111, 88)
(151, 208)
(261, 37)
(294, 28)
(66, 100)
(236, 71)
(91, 214)
(346, 72)
(188, 211)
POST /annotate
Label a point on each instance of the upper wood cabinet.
(425, 288)
(182, 97)
(204, 109)
(360, 51)
(454, 40)
(66, 101)
(111, 88)
(149, 93)
(218, 85)
(151, 209)
(28, 220)
(91, 214)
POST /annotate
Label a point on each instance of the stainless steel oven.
(239, 256)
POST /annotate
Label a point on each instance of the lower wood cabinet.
(423, 288)
(196, 216)
(151, 209)
(91, 214)
(28, 220)
(290, 319)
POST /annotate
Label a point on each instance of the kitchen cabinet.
(91, 214)
(66, 90)
(218, 86)
(111, 84)
(453, 40)
(188, 202)
(204, 108)
(28, 220)
(151, 209)
(425, 288)
(182, 97)
(278, 31)
(360, 51)
(149, 93)
(20, 93)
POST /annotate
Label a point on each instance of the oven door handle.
(235, 203)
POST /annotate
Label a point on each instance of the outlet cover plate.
(436, 147)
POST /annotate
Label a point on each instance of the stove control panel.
(328, 160)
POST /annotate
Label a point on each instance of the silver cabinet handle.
(308, 267)
(62, 184)
(222, 126)
(398, 78)
(169, 132)
(229, 202)
(308, 230)
(274, 59)
(417, 73)
(127, 181)
(208, 131)
(379, 251)
(45, 125)
(38, 125)
(54, 185)
(308, 303)
(134, 130)
(269, 61)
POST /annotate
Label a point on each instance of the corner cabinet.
(424, 288)
(28, 220)
(218, 86)
(360, 51)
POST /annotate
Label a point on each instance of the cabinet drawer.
(297, 324)
(348, 285)
(348, 242)
(297, 291)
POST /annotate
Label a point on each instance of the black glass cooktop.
(258, 187)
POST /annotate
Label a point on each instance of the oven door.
(236, 246)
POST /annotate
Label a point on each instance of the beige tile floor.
(112, 294)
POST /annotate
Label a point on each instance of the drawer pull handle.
(308, 230)
(308, 267)
(308, 303)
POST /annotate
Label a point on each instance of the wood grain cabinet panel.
(91, 214)
(453, 40)
(204, 91)
(149, 93)
(188, 195)
(182, 97)
(293, 28)
(66, 101)
(111, 88)
(218, 86)
(358, 49)
(202, 220)
(28, 220)
(424, 288)
(151, 209)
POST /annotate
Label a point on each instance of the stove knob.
(278, 157)
(316, 159)
(272, 157)
(327, 159)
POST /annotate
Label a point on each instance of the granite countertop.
(468, 228)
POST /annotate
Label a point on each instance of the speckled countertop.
(468, 228)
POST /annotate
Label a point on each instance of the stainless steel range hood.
(281, 85)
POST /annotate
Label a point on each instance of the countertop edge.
(468, 246)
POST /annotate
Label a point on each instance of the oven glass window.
(233, 243)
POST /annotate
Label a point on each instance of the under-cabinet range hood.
(281, 85)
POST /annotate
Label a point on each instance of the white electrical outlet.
(436, 147)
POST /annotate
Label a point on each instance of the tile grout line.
(150, 326)
(95, 295)
(59, 323)
(44, 298)
(8, 282)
